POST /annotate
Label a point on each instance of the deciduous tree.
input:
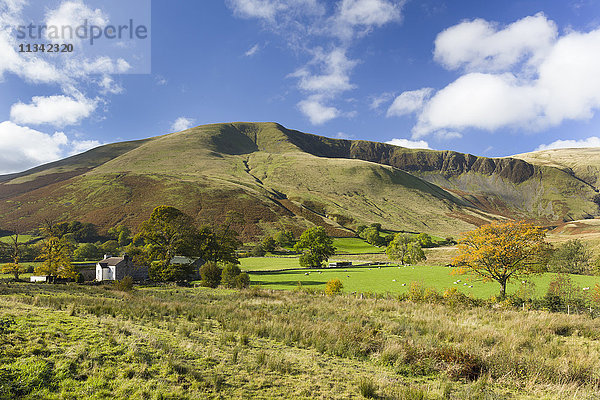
(502, 251)
(56, 256)
(405, 249)
(316, 247)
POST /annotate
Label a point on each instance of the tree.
(87, 251)
(284, 238)
(242, 281)
(56, 256)
(13, 251)
(268, 243)
(316, 247)
(229, 275)
(211, 274)
(15, 269)
(572, 257)
(502, 251)
(425, 240)
(219, 243)
(371, 236)
(167, 233)
(405, 249)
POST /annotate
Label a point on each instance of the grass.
(22, 238)
(393, 279)
(70, 341)
(355, 246)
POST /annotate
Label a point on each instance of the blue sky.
(487, 78)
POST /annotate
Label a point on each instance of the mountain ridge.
(283, 178)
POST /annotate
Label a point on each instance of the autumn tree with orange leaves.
(501, 251)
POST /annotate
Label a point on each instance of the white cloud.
(409, 102)
(72, 14)
(447, 135)
(252, 50)
(365, 14)
(304, 22)
(270, 9)
(378, 101)
(316, 111)
(108, 85)
(81, 146)
(342, 135)
(411, 144)
(336, 68)
(479, 45)
(517, 86)
(181, 124)
(23, 148)
(161, 80)
(592, 141)
(58, 111)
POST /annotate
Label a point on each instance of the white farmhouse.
(116, 268)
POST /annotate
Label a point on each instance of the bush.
(125, 284)
(229, 275)
(258, 251)
(334, 286)
(367, 388)
(211, 275)
(242, 281)
(268, 243)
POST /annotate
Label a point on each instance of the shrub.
(242, 281)
(367, 388)
(258, 251)
(334, 286)
(229, 275)
(211, 275)
(125, 284)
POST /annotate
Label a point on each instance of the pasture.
(388, 278)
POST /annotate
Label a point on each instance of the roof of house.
(185, 260)
(110, 262)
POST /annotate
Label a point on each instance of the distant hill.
(280, 178)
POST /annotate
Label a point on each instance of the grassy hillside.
(279, 178)
(67, 342)
(583, 163)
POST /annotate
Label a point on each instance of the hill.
(280, 178)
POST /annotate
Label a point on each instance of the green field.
(392, 279)
(22, 238)
(355, 246)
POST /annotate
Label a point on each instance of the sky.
(487, 78)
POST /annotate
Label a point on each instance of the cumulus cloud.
(411, 144)
(523, 76)
(181, 124)
(592, 141)
(58, 111)
(479, 45)
(23, 148)
(317, 112)
(409, 102)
